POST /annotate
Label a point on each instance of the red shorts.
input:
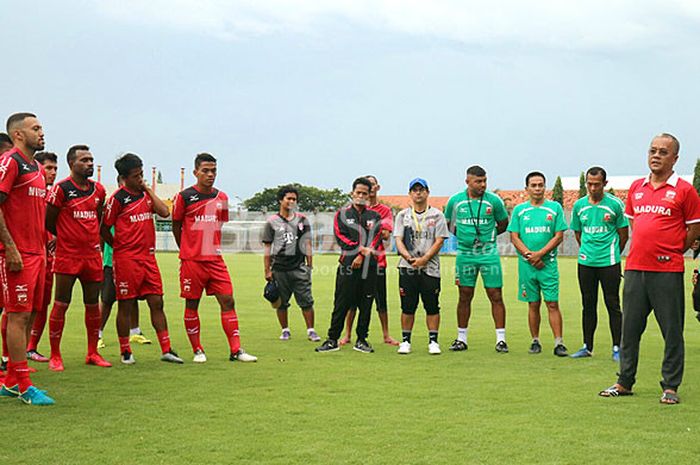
(136, 278)
(87, 270)
(196, 276)
(23, 291)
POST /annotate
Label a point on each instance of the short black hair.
(534, 174)
(5, 139)
(476, 170)
(16, 119)
(596, 170)
(73, 152)
(203, 157)
(666, 135)
(368, 176)
(284, 190)
(364, 181)
(126, 163)
(43, 157)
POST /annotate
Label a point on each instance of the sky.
(320, 92)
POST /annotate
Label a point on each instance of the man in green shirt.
(601, 229)
(477, 217)
(536, 229)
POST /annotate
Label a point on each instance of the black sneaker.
(535, 347)
(458, 346)
(363, 346)
(560, 351)
(3, 365)
(502, 347)
(330, 345)
(697, 315)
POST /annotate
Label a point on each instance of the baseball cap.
(271, 293)
(419, 181)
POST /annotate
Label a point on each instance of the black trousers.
(353, 289)
(609, 279)
(664, 293)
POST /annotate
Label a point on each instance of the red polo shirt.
(660, 217)
(388, 225)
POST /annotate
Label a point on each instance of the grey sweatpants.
(664, 293)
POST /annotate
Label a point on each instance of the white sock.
(558, 340)
(285, 329)
(99, 335)
(462, 334)
(310, 330)
(500, 335)
(535, 339)
(135, 331)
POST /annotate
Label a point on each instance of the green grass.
(296, 406)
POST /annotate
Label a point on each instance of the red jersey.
(660, 217)
(387, 225)
(202, 216)
(25, 207)
(131, 214)
(78, 224)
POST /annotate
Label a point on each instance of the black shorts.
(380, 296)
(108, 293)
(414, 284)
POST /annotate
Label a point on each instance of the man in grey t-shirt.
(288, 260)
(420, 232)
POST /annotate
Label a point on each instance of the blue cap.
(420, 181)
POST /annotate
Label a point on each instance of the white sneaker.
(171, 357)
(404, 348)
(243, 356)
(434, 348)
(127, 358)
(199, 356)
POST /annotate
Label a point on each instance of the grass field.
(297, 406)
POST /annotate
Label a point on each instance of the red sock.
(229, 321)
(93, 318)
(192, 327)
(37, 330)
(3, 329)
(20, 370)
(57, 321)
(164, 340)
(124, 344)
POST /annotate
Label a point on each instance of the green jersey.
(473, 221)
(107, 252)
(537, 225)
(598, 225)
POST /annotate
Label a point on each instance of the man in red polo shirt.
(23, 255)
(73, 215)
(664, 213)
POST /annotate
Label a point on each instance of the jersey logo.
(549, 217)
(671, 195)
(72, 193)
(25, 167)
(370, 224)
(526, 217)
(350, 220)
(638, 195)
(21, 291)
(301, 226)
(288, 237)
(194, 198)
(186, 284)
(606, 217)
(123, 287)
(127, 199)
(488, 210)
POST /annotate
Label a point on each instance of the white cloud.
(594, 24)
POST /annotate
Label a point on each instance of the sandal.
(670, 398)
(615, 391)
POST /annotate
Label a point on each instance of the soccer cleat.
(171, 357)
(458, 346)
(330, 345)
(199, 356)
(34, 396)
(139, 339)
(56, 363)
(535, 347)
(242, 356)
(127, 358)
(97, 360)
(697, 315)
(101, 343)
(404, 348)
(363, 346)
(502, 347)
(616, 354)
(434, 348)
(12, 391)
(583, 352)
(35, 356)
(286, 335)
(560, 350)
(3, 364)
(313, 336)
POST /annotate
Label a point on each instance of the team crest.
(606, 217)
(430, 223)
(300, 226)
(549, 217)
(21, 291)
(186, 284)
(524, 294)
(638, 195)
(671, 195)
(370, 224)
(488, 210)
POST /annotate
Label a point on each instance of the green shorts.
(468, 267)
(534, 284)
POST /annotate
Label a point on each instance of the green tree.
(611, 191)
(310, 199)
(696, 176)
(558, 191)
(582, 192)
(160, 178)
